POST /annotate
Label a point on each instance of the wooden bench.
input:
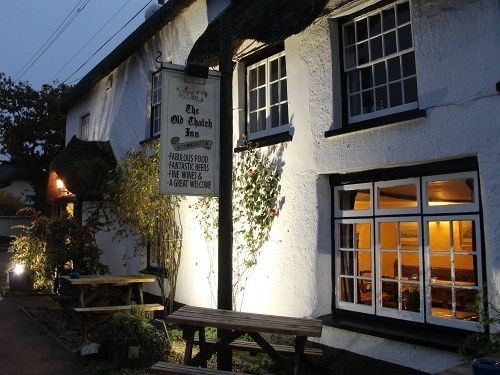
(254, 348)
(174, 369)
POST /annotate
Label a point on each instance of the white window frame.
(269, 129)
(452, 322)
(396, 211)
(348, 305)
(352, 213)
(385, 311)
(390, 110)
(156, 104)
(85, 127)
(455, 208)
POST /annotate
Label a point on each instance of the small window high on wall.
(156, 104)
(410, 248)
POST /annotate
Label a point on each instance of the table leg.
(300, 344)
(128, 298)
(189, 336)
(268, 349)
(141, 294)
(81, 300)
(203, 344)
(222, 343)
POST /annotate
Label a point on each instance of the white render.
(457, 49)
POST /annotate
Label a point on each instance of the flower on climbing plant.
(244, 134)
(273, 212)
(250, 172)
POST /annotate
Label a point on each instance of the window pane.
(409, 64)
(350, 57)
(404, 37)
(282, 66)
(363, 53)
(346, 290)
(364, 263)
(274, 93)
(274, 70)
(400, 196)
(441, 302)
(346, 236)
(439, 236)
(410, 266)
(450, 192)
(390, 43)
(349, 37)
(395, 96)
(389, 19)
(367, 101)
(375, 24)
(366, 78)
(262, 75)
(361, 29)
(388, 235)
(262, 97)
(390, 294)
(465, 269)
(363, 236)
(355, 104)
(380, 75)
(253, 122)
(347, 263)
(261, 120)
(253, 100)
(463, 235)
(253, 78)
(381, 98)
(354, 199)
(353, 81)
(376, 48)
(364, 292)
(403, 11)
(440, 268)
(284, 114)
(409, 238)
(394, 69)
(389, 264)
(410, 86)
(284, 91)
(465, 299)
(410, 297)
(275, 116)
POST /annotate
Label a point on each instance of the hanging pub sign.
(189, 160)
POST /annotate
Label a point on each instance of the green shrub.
(124, 330)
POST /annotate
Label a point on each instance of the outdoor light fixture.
(18, 269)
(60, 184)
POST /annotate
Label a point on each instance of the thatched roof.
(267, 21)
(84, 166)
(134, 41)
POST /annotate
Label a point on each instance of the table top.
(247, 322)
(109, 279)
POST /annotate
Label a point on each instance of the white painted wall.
(457, 47)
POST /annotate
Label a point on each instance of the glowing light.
(18, 269)
(59, 184)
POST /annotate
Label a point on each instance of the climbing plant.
(256, 192)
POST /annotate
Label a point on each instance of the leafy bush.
(9, 204)
(123, 330)
(49, 244)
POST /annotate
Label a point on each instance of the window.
(29, 199)
(267, 97)
(379, 63)
(156, 104)
(410, 256)
(85, 127)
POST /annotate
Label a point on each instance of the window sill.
(150, 139)
(377, 122)
(267, 141)
(438, 337)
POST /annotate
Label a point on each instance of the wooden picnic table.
(236, 324)
(83, 283)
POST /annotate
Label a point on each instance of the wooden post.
(225, 253)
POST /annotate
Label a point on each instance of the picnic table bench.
(236, 324)
(174, 369)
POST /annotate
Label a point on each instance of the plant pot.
(483, 366)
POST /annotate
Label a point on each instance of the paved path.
(25, 348)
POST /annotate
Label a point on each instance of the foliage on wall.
(134, 199)
(256, 192)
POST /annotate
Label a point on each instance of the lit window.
(267, 97)
(379, 63)
(156, 104)
(85, 127)
(410, 258)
